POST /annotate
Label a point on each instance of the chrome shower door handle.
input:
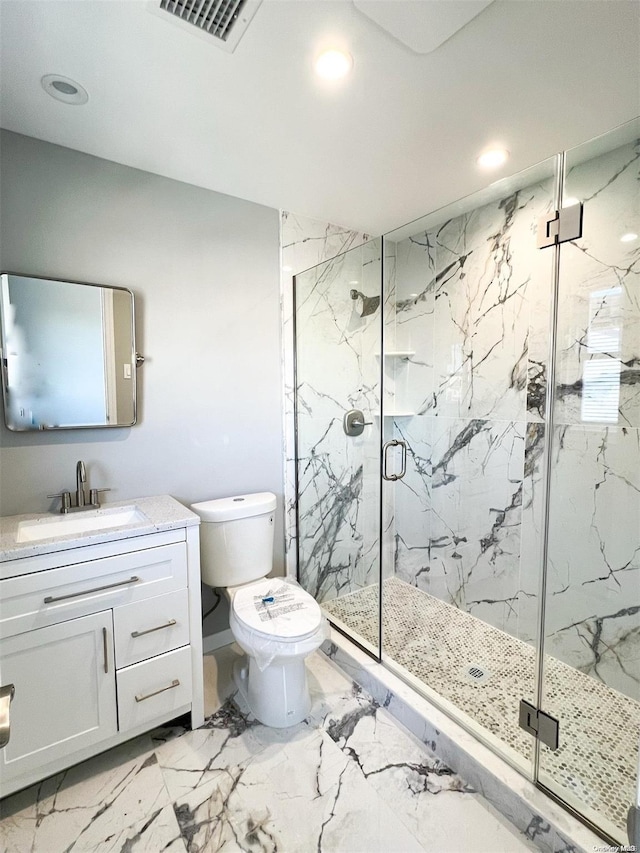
(403, 471)
(403, 468)
(6, 695)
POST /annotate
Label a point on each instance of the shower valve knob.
(354, 423)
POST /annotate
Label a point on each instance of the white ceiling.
(396, 139)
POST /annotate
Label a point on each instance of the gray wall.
(204, 269)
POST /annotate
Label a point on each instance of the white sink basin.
(88, 521)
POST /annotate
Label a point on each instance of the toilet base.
(277, 696)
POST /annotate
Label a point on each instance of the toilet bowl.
(273, 620)
(273, 681)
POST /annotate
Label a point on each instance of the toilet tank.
(236, 538)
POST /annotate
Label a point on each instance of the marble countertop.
(160, 513)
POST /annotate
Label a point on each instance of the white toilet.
(275, 622)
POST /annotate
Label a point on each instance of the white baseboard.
(216, 641)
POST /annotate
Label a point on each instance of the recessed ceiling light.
(64, 89)
(333, 64)
(629, 237)
(493, 158)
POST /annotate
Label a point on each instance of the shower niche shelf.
(399, 354)
(397, 415)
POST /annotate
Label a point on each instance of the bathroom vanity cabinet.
(101, 639)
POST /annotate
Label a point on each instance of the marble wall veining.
(338, 475)
(467, 292)
(467, 311)
(473, 297)
(593, 607)
(304, 243)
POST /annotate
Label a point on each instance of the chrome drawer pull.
(6, 695)
(51, 598)
(174, 683)
(169, 624)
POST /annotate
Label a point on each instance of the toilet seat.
(273, 609)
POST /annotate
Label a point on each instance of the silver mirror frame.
(136, 360)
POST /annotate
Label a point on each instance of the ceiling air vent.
(223, 20)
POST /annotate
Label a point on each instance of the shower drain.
(475, 673)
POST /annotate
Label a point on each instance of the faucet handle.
(65, 502)
(93, 495)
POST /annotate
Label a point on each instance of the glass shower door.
(465, 360)
(337, 310)
(495, 386)
(591, 680)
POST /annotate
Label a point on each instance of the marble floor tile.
(229, 739)
(436, 642)
(425, 794)
(334, 694)
(82, 808)
(159, 831)
(218, 676)
(348, 779)
(306, 795)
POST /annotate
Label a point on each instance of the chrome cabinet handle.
(174, 683)
(385, 449)
(168, 624)
(50, 598)
(105, 650)
(6, 695)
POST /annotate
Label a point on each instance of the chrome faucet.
(81, 495)
(81, 479)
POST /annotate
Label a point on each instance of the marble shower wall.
(593, 607)
(305, 243)
(338, 476)
(467, 319)
(467, 293)
(472, 327)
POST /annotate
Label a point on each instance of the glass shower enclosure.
(479, 529)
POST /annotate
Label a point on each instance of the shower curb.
(542, 821)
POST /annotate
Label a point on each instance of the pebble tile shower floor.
(436, 642)
(349, 779)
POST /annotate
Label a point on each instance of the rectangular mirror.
(68, 354)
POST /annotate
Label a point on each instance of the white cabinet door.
(65, 693)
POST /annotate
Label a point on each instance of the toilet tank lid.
(239, 506)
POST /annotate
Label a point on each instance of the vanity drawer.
(154, 688)
(148, 628)
(39, 599)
